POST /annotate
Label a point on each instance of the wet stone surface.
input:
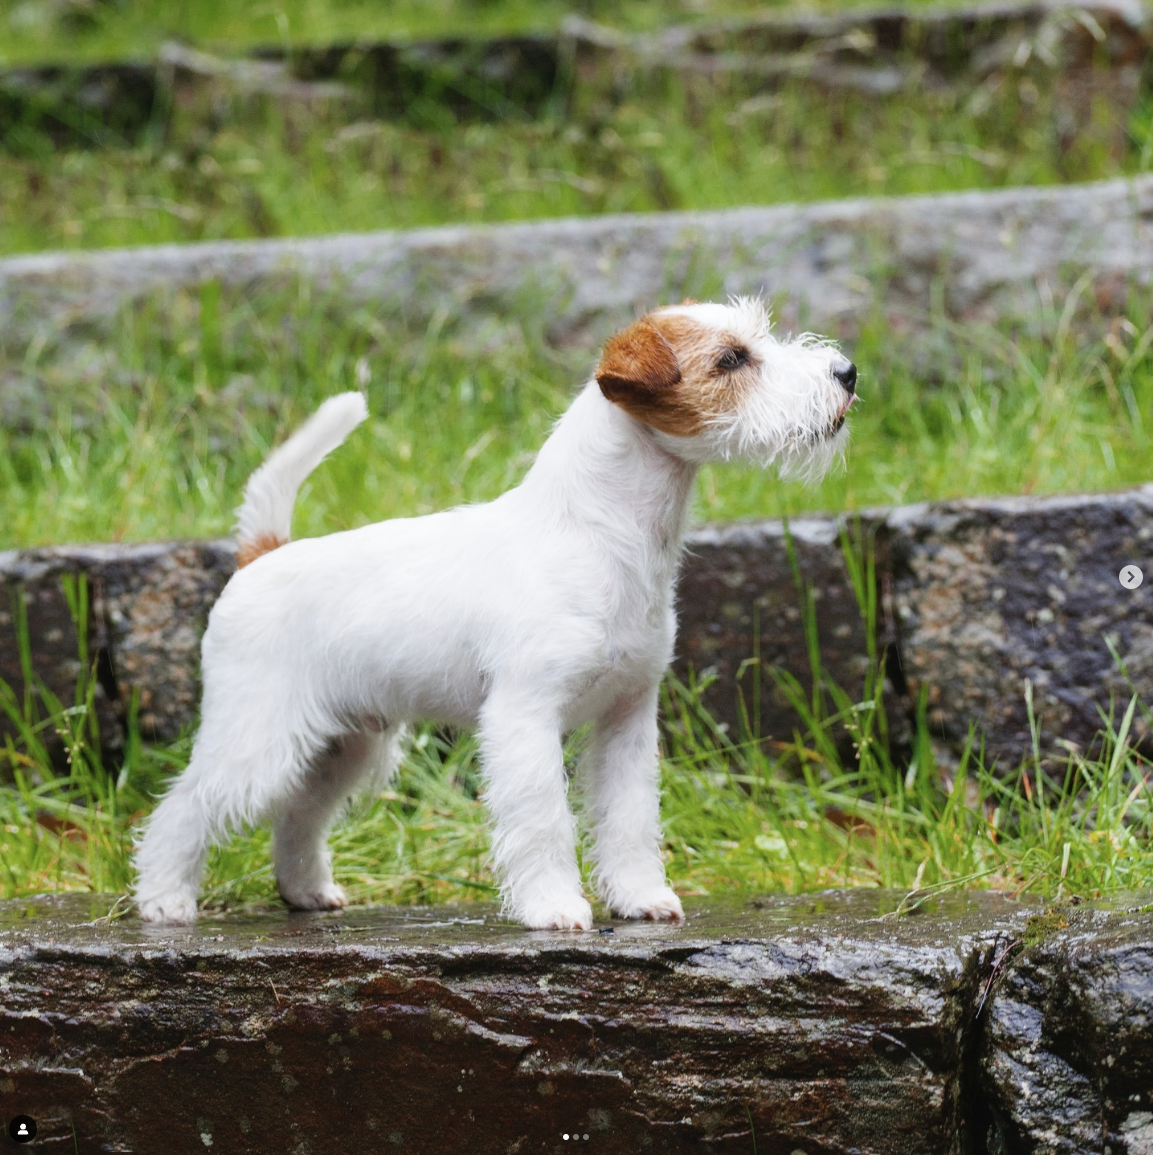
(976, 1025)
(1068, 1049)
(815, 1021)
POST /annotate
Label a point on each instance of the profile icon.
(22, 1129)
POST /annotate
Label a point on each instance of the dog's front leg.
(620, 780)
(533, 841)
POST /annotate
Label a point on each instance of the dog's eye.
(732, 359)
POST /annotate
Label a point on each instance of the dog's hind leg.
(299, 842)
(170, 856)
(240, 773)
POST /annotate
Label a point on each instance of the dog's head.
(714, 384)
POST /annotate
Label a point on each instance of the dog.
(547, 609)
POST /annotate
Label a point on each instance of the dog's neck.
(603, 468)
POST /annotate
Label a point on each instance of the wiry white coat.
(548, 608)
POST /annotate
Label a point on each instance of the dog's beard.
(811, 462)
(801, 436)
(805, 454)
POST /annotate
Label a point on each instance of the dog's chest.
(636, 641)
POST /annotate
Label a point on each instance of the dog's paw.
(324, 896)
(565, 914)
(176, 909)
(660, 906)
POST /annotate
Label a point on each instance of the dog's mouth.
(838, 422)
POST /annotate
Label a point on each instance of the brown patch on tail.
(248, 551)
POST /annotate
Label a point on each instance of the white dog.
(546, 609)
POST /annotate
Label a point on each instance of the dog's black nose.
(846, 373)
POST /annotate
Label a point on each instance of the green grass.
(148, 429)
(259, 170)
(149, 432)
(740, 815)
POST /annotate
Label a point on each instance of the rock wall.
(148, 606)
(822, 1022)
(826, 266)
(1095, 49)
(1068, 1057)
(975, 599)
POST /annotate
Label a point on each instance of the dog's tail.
(264, 520)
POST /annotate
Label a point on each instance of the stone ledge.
(975, 598)
(1068, 1055)
(827, 266)
(434, 1030)
(822, 1020)
(149, 606)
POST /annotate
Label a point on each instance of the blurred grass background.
(150, 431)
(148, 428)
(179, 162)
(276, 174)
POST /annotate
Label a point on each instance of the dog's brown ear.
(690, 301)
(637, 360)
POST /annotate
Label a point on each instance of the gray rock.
(742, 611)
(953, 39)
(992, 594)
(811, 1021)
(976, 600)
(826, 266)
(154, 601)
(1068, 1052)
(878, 51)
(46, 640)
(148, 605)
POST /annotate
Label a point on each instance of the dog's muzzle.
(845, 373)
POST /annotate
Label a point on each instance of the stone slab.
(991, 594)
(879, 51)
(813, 1023)
(148, 606)
(975, 600)
(1067, 1064)
(827, 266)
(33, 599)
(742, 604)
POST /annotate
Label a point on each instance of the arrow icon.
(1131, 577)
